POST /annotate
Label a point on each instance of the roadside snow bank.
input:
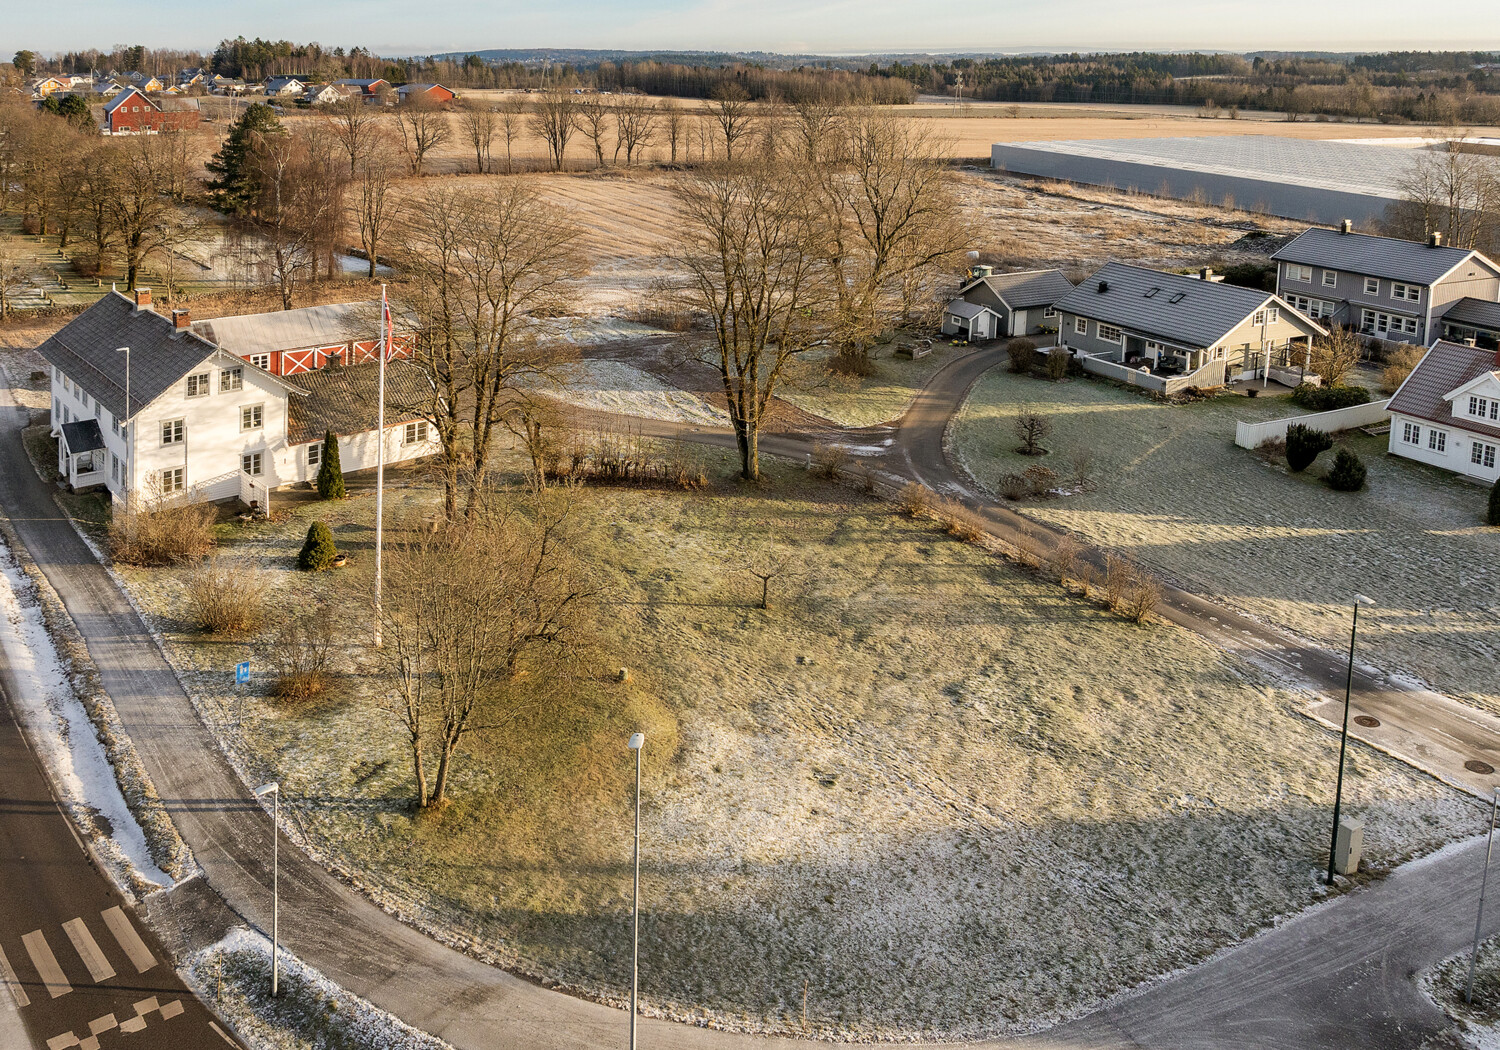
(59, 726)
(608, 386)
(235, 976)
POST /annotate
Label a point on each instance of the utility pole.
(1338, 794)
(385, 331)
(274, 790)
(637, 742)
(1484, 883)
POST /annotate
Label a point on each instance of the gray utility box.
(1349, 845)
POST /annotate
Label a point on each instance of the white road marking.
(215, 1026)
(12, 984)
(171, 1010)
(140, 956)
(62, 1042)
(133, 1024)
(88, 950)
(103, 1024)
(145, 1006)
(46, 964)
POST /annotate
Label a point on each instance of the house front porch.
(82, 460)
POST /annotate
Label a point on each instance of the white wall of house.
(1448, 446)
(359, 451)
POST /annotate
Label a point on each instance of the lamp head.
(268, 789)
(1360, 599)
(637, 741)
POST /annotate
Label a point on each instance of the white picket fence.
(1251, 435)
(254, 491)
(1210, 375)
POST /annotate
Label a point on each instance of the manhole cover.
(1368, 721)
(1473, 765)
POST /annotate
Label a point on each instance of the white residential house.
(285, 87)
(203, 421)
(1447, 413)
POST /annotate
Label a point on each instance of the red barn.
(287, 342)
(433, 93)
(130, 113)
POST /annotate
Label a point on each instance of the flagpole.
(380, 460)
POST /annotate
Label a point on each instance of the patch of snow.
(57, 722)
(589, 331)
(235, 975)
(608, 386)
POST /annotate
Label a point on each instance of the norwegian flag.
(388, 328)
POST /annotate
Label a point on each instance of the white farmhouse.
(1447, 413)
(203, 421)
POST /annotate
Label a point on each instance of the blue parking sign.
(242, 673)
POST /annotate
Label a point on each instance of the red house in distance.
(130, 113)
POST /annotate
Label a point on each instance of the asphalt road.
(1338, 976)
(78, 969)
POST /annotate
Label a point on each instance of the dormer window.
(1483, 408)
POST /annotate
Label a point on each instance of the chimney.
(1206, 274)
(1434, 240)
(143, 298)
(180, 319)
(1347, 226)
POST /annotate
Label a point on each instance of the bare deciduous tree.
(480, 264)
(730, 108)
(478, 121)
(1032, 428)
(424, 126)
(1452, 191)
(891, 224)
(749, 250)
(300, 203)
(818, 128)
(372, 203)
(1333, 358)
(553, 121)
(12, 279)
(468, 609)
(357, 126)
(671, 122)
(593, 121)
(139, 203)
(768, 565)
(635, 128)
(512, 122)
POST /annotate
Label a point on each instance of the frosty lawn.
(949, 798)
(863, 401)
(1175, 492)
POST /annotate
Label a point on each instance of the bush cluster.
(1022, 355)
(226, 598)
(1327, 398)
(1033, 481)
(163, 533)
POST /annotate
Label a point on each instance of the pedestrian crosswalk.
(82, 951)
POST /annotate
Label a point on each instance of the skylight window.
(1179, 297)
(1150, 292)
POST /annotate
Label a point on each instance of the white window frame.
(252, 463)
(1258, 318)
(1273, 314)
(1437, 440)
(315, 454)
(1299, 273)
(1483, 407)
(173, 479)
(1108, 333)
(1482, 454)
(1411, 433)
(1330, 278)
(252, 417)
(261, 361)
(173, 432)
(231, 379)
(198, 385)
(1372, 285)
(1409, 293)
(1048, 312)
(414, 433)
(1080, 326)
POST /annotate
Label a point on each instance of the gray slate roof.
(159, 354)
(1445, 368)
(344, 400)
(1027, 288)
(1475, 313)
(967, 310)
(1374, 256)
(1206, 313)
(83, 435)
(293, 329)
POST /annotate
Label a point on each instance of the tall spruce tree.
(330, 474)
(1494, 515)
(233, 187)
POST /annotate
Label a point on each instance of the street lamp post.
(1338, 793)
(637, 742)
(1484, 883)
(274, 790)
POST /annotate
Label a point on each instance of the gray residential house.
(1168, 331)
(1381, 286)
(1020, 303)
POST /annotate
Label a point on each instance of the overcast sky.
(818, 26)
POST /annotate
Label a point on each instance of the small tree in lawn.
(318, 551)
(1494, 514)
(330, 474)
(1032, 428)
(1303, 444)
(1348, 473)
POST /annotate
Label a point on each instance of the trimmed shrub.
(1022, 355)
(330, 474)
(319, 550)
(1057, 365)
(1327, 398)
(1348, 473)
(1494, 511)
(1303, 444)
